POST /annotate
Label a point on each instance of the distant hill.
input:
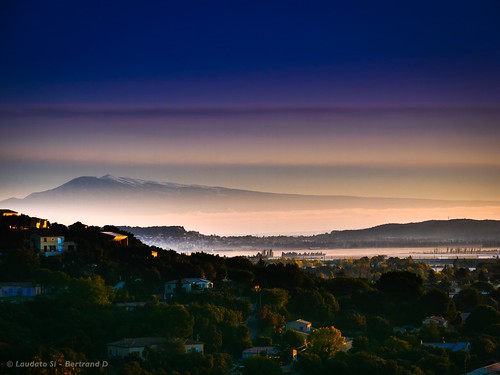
(428, 233)
(442, 230)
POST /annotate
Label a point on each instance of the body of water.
(415, 252)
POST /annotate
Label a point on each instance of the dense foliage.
(378, 302)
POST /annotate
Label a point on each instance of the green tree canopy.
(260, 366)
(293, 339)
(326, 341)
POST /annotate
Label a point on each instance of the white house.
(131, 346)
(19, 289)
(193, 346)
(300, 325)
(267, 351)
(47, 245)
(188, 285)
(438, 320)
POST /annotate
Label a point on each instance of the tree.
(293, 339)
(317, 305)
(437, 302)
(19, 264)
(468, 299)
(354, 321)
(401, 284)
(326, 341)
(261, 365)
(269, 319)
(88, 291)
(430, 332)
(485, 347)
(378, 328)
(481, 318)
(275, 297)
(341, 286)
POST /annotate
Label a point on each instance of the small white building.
(19, 289)
(437, 320)
(300, 325)
(134, 346)
(267, 351)
(188, 285)
(193, 346)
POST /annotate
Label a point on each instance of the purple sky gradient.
(369, 99)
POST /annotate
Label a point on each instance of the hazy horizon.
(124, 201)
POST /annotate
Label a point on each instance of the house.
(300, 325)
(347, 345)
(138, 346)
(188, 285)
(130, 306)
(5, 212)
(19, 289)
(267, 351)
(193, 346)
(437, 320)
(453, 346)
(120, 239)
(47, 245)
(134, 346)
(38, 223)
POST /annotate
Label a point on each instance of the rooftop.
(301, 321)
(453, 346)
(113, 234)
(7, 211)
(487, 370)
(138, 342)
(259, 349)
(190, 280)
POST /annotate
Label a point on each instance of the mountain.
(121, 200)
(121, 191)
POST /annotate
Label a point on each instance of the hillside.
(428, 233)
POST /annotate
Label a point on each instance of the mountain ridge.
(455, 232)
(124, 200)
(109, 181)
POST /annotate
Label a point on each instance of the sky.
(327, 98)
